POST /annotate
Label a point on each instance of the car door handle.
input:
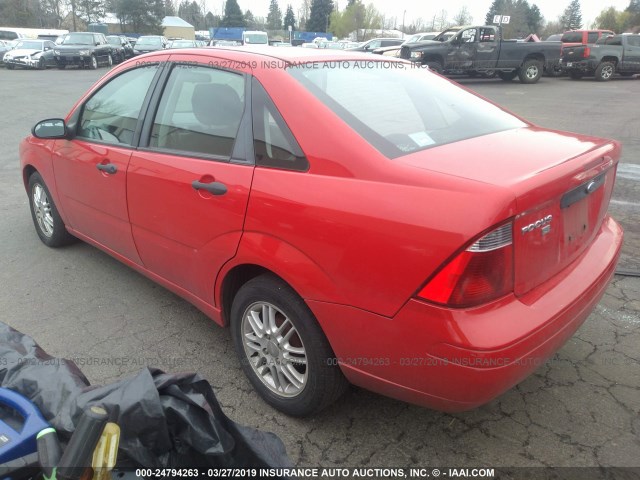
(107, 167)
(216, 188)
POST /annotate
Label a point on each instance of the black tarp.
(166, 420)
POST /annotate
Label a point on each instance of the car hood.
(23, 51)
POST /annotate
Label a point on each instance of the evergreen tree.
(232, 15)
(498, 7)
(572, 17)
(249, 20)
(633, 13)
(535, 20)
(274, 18)
(90, 10)
(319, 17)
(289, 18)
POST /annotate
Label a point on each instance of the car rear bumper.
(580, 66)
(455, 360)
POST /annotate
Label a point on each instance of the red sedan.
(352, 219)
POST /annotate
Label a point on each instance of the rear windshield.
(149, 41)
(400, 109)
(260, 38)
(572, 37)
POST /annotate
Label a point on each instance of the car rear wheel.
(530, 71)
(605, 71)
(47, 220)
(282, 349)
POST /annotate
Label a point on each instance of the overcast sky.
(426, 9)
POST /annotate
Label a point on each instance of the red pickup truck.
(574, 38)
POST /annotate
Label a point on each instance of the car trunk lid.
(562, 185)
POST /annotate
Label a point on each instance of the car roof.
(288, 55)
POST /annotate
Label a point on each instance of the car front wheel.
(47, 220)
(93, 62)
(282, 349)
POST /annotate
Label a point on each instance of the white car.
(30, 54)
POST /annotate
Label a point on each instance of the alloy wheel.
(42, 209)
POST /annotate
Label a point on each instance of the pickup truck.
(610, 55)
(480, 50)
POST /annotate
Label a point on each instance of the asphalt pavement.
(579, 409)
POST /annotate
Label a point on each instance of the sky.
(426, 9)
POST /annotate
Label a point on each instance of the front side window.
(111, 114)
(199, 112)
(468, 35)
(401, 110)
(634, 41)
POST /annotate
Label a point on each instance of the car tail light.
(586, 52)
(480, 273)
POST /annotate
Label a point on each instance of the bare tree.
(463, 17)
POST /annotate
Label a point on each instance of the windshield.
(78, 39)
(152, 41)
(260, 38)
(182, 44)
(30, 45)
(413, 109)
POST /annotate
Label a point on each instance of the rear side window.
(111, 114)
(273, 142)
(614, 40)
(633, 41)
(399, 109)
(592, 37)
(199, 112)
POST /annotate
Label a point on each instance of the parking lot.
(580, 409)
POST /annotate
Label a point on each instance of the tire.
(93, 64)
(61, 66)
(41, 64)
(605, 71)
(489, 74)
(436, 67)
(49, 225)
(109, 61)
(295, 388)
(554, 72)
(10, 67)
(507, 76)
(530, 71)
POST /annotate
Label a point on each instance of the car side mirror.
(51, 128)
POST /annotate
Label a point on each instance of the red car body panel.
(358, 234)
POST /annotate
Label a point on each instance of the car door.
(91, 169)
(464, 50)
(47, 54)
(188, 184)
(631, 59)
(487, 48)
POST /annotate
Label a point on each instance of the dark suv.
(84, 49)
(121, 47)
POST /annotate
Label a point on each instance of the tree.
(249, 20)
(319, 16)
(140, 16)
(289, 18)
(463, 17)
(90, 10)
(535, 20)
(571, 19)
(303, 14)
(498, 7)
(608, 19)
(232, 15)
(211, 20)
(274, 18)
(632, 13)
